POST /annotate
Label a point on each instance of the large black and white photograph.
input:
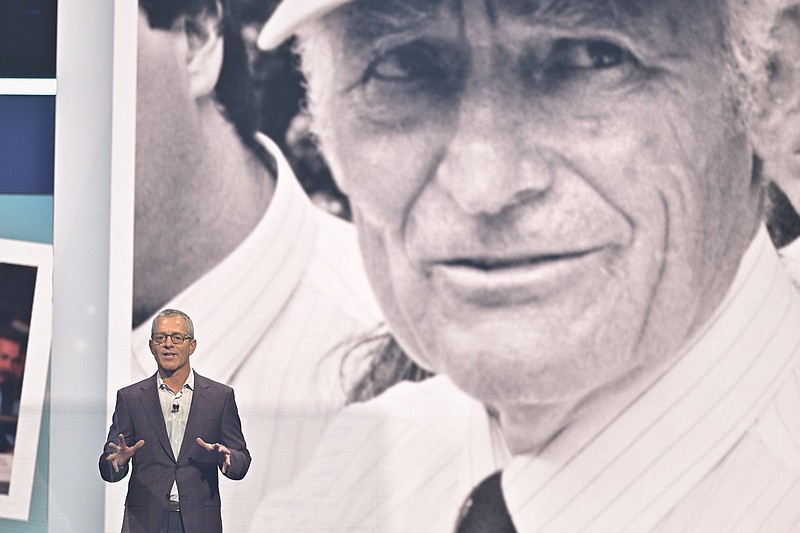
(25, 331)
(468, 265)
(223, 209)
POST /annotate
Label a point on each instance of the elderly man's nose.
(487, 168)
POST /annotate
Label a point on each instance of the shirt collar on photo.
(624, 469)
(790, 256)
(238, 299)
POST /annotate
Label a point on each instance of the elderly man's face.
(549, 195)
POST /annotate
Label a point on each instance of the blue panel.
(27, 218)
(27, 144)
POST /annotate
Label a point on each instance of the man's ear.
(777, 121)
(204, 52)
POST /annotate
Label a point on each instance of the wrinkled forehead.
(371, 18)
(564, 11)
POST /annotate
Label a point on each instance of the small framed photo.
(26, 296)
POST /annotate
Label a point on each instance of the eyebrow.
(371, 19)
(570, 14)
(560, 8)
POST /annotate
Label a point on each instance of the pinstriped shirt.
(712, 446)
(272, 315)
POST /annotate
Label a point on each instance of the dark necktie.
(485, 510)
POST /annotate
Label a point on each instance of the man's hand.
(220, 449)
(122, 453)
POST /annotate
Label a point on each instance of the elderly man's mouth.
(499, 264)
(496, 281)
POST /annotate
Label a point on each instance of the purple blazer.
(213, 417)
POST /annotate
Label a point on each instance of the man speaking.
(559, 204)
(177, 428)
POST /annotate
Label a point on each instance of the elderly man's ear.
(777, 126)
(204, 51)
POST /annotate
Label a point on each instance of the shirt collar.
(238, 300)
(189, 384)
(624, 469)
(790, 256)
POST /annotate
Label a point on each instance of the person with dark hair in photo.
(560, 205)
(177, 429)
(12, 354)
(224, 231)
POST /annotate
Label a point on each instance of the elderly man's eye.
(409, 63)
(594, 54)
(587, 61)
(590, 54)
(407, 82)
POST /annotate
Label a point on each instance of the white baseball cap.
(290, 15)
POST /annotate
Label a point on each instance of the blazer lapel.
(199, 403)
(152, 409)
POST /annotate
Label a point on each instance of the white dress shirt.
(269, 321)
(175, 407)
(712, 446)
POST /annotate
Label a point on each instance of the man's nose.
(489, 165)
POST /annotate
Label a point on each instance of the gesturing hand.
(220, 449)
(122, 453)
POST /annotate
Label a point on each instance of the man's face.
(170, 356)
(549, 195)
(18, 366)
(9, 355)
(166, 138)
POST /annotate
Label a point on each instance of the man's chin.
(169, 366)
(507, 375)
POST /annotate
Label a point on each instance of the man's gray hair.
(752, 41)
(170, 313)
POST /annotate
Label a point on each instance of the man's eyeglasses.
(177, 338)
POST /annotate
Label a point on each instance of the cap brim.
(290, 15)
